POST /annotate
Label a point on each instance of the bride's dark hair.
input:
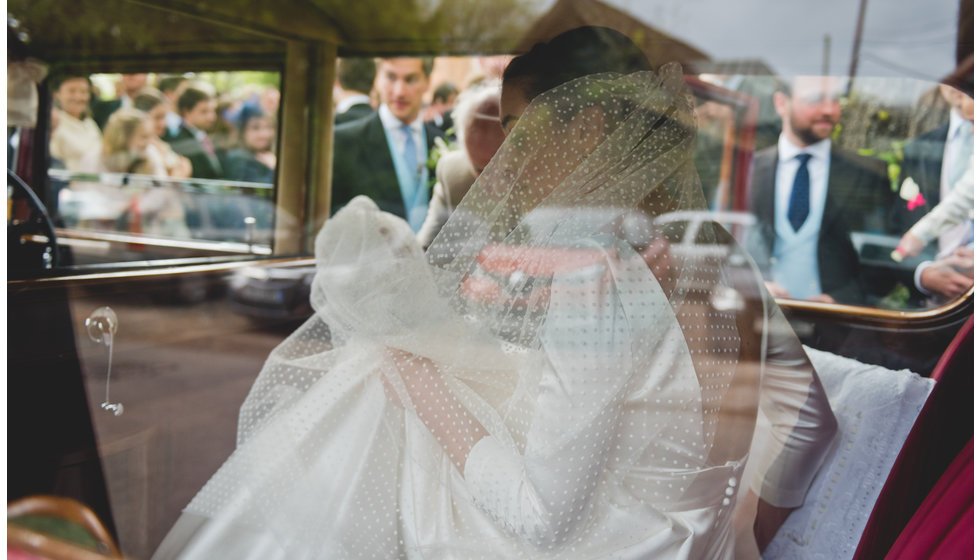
(573, 54)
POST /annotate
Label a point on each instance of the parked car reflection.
(283, 292)
(270, 292)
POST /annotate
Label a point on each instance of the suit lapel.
(376, 152)
(376, 156)
(851, 186)
(431, 133)
(763, 189)
(185, 135)
(840, 185)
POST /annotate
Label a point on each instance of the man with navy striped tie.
(810, 196)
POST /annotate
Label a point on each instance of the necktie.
(208, 146)
(799, 198)
(411, 153)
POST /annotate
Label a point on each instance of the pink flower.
(919, 200)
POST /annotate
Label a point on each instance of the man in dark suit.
(355, 78)
(931, 164)
(385, 155)
(131, 84)
(198, 111)
(439, 111)
(809, 197)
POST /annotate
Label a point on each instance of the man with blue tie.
(809, 197)
(384, 155)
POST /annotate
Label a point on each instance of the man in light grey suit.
(931, 164)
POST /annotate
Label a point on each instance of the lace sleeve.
(544, 494)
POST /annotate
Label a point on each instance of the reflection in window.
(877, 168)
(182, 165)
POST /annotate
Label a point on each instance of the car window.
(876, 169)
(884, 102)
(150, 166)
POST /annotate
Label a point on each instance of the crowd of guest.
(151, 131)
(393, 122)
(190, 136)
(809, 197)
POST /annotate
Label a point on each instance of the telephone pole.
(856, 50)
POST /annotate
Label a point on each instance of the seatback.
(941, 431)
(942, 527)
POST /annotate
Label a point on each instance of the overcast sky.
(908, 38)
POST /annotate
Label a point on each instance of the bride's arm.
(756, 524)
(543, 493)
(803, 424)
(449, 421)
(803, 427)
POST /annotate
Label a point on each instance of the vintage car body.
(196, 317)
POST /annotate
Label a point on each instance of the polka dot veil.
(546, 381)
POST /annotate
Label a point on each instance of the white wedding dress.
(602, 393)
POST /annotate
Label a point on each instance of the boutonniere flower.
(439, 148)
(910, 193)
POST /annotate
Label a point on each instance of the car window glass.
(157, 166)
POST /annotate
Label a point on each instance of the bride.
(558, 376)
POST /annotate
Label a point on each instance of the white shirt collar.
(955, 120)
(391, 122)
(197, 132)
(788, 150)
(64, 115)
(347, 102)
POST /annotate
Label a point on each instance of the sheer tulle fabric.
(541, 383)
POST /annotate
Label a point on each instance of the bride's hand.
(756, 524)
(372, 278)
(435, 405)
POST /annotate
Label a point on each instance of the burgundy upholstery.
(943, 525)
(941, 431)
